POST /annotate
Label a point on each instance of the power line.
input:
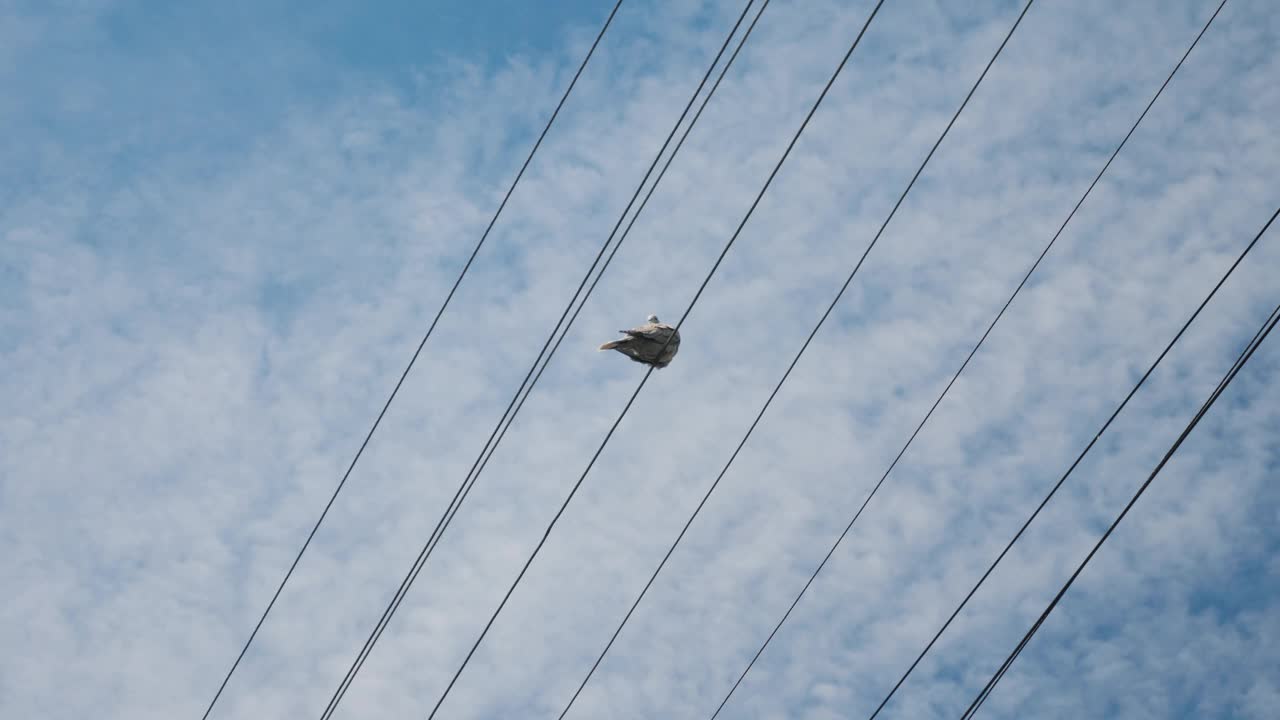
(733, 238)
(377, 421)
(793, 364)
(1080, 458)
(1239, 364)
(1262, 332)
(544, 357)
(952, 382)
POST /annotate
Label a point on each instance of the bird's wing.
(662, 330)
(644, 331)
(657, 334)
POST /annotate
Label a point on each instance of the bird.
(645, 344)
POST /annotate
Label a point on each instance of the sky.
(224, 227)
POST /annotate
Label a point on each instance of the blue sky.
(226, 226)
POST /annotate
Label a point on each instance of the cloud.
(207, 296)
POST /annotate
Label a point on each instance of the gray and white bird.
(645, 343)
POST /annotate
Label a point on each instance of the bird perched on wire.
(645, 343)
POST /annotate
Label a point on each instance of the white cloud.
(196, 336)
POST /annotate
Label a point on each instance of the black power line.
(1239, 364)
(1080, 458)
(378, 420)
(544, 357)
(948, 387)
(794, 362)
(728, 245)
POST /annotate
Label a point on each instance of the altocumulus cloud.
(222, 237)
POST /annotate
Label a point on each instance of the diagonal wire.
(793, 364)
(643, 203)
(378, 420)
(1239, 364)
(733, 238)
(530, 380)
(1061, 228)
(1071, 469)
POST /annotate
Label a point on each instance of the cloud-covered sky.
(225, 226)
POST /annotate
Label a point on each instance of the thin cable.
(1239, 363)
(754, 204)
(1067, 474)
(986, 691)
(1004, 667)
(377, 421)
(1244, 358)
(526, 386)
(982, 340)
(787, 374)
(643, 203)
(1115, 413)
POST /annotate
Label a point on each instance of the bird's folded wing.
(644, 331)
(662, 336)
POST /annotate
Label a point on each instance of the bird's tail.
(610, 345)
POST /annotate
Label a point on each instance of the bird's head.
(652, 318)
